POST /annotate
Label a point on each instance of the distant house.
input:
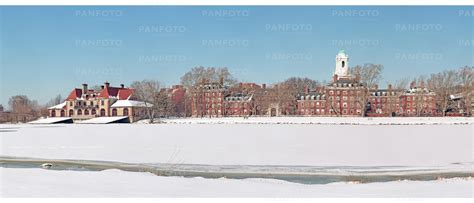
(83, 103)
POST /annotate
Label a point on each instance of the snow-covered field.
(115, 183)
(409, 142)
(245, 144)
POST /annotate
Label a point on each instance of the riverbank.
(116, 183)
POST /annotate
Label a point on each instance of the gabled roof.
(75, 93)
(116, 92)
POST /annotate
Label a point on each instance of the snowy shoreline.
(116, 183)
(297, 174)
(322, 120)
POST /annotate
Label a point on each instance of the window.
(102, 112)
(102, 102)
(93, 112)
(114, 112)
(125, 111)
(63, 113)
(53, 113)
(71, 112)
(86, 112)
(79, 112)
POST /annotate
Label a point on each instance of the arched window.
(86, 112)
(93, 112)
(343, 63)
(71, 112)
(53, 113)
(114, 112)
(79, 112)
(63, 113)
(102, 112)
(125, 111)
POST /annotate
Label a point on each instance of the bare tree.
(443, 84)
(147, 91)
(369, 76)
(21, 104)
(466, 80)
(23, 108)
(297, 85)
(210, 74)
(54, 101)
(163, 104)
(420, 95)
(398, 89)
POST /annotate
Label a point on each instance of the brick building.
(177, 98)
(338, 98)
(384, 102)
(418, 101)
(346, 96)
(208, 99)
(214, 99)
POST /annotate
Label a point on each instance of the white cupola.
(342, 65)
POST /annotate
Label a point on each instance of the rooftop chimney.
(389, 86)
(122, 86)
(412, 84)
(306, 90)
(84, 88)
(101, 87)
(264, 86)
(107, 84)
(334, 78)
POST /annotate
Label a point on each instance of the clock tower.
(342, 65)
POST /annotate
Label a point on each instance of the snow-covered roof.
(130, 103)
(59, 106)
(103, 120)
(51, 120)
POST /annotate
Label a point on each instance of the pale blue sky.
(47, 51)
